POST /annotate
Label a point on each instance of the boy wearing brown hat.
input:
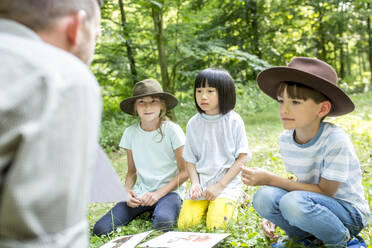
(326, 203)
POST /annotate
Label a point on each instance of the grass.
(263, 128)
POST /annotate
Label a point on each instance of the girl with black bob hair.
(224, 84)
(216, 147)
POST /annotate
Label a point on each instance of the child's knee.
(264, 199)
(217, 222)
(101, 229)
(163, 221)
(220, 212)
(188, 219)
(293, 205)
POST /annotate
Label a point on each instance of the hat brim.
(127, 105)
(269, 79)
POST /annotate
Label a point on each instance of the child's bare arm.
(130, 180)
(131, 176)
(213, 191)
(258, 176)
(195, 190)
(181, 176)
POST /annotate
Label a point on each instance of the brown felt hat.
(311, 72)
(147, 87)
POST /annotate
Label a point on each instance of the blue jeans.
(165, 214)
(303, 213)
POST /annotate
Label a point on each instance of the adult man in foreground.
(49, 118)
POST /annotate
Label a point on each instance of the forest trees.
(172, 40)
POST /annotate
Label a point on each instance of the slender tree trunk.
(348, 60)
(369, 45)
(157, 16)
(158, 25)
(341, 61)
(321, 51)
(251, 18)
(177, 61)
(256, 37)
(127, 43)
(341, 45)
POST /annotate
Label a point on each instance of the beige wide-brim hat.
(311, 72)
(147, 87)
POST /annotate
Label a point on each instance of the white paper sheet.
(186, 240)
(106, 184)
(128, 241)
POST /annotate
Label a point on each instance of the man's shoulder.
(36, 56)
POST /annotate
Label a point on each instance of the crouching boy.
(326, 204)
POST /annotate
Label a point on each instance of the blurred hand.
(134, 201)
(150, 198)
(213, 191)
(253, 176)
(269, 229)
(195, 191)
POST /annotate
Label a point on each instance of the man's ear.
(74, 26)
(325, 108)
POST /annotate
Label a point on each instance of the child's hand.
(269, 229)
(149, 199)
(212, 192)
(134, 201)
(195, 191)
(255, 176)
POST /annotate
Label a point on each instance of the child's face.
(302, 115)
(148, 108)
(207, 100)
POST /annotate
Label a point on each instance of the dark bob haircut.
(223, 82)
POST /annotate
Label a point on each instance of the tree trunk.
(321, 30)
(341, 44)
(256, 37)
(158, 25)
(251, 18)
(341, 61)
(369, 45)
(321, 51)
(127, 43)
(348, 60)
(176, 51)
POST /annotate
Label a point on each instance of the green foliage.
(114, 121)
(242, 36)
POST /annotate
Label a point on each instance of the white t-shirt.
(329, 155)
(212, 145)
(154, 156)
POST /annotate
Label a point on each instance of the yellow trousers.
(218, 212)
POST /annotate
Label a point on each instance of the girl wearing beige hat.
(154, 149)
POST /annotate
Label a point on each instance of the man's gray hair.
(42, 14)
